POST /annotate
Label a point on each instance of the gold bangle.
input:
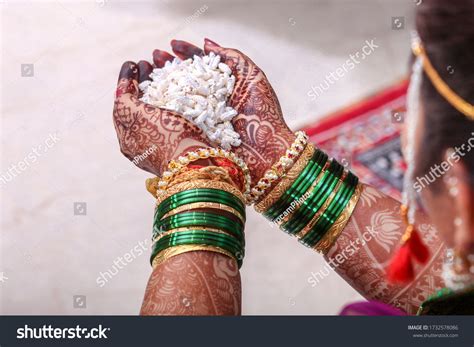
(323, 208)
(309, 191)
(286, 180)
(177, 250)
(213, 205)
(176, 166)
(177, 230)
(180, 187)
(336, 229)
(278, 169)
(211, 173)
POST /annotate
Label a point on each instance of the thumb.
(211, 46)
(228, 55)
(128, 79)
(234, 58)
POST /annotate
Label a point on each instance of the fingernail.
(128, 70)
(156, 54)
(178, 46)
(174, 42)
(161, 57)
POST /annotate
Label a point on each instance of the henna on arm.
(363, 251)
(194, 283)
(265, 137)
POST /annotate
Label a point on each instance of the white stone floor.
(48, 254)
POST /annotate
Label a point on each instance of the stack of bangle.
(158, 185)
(199, 214)
(314, 201)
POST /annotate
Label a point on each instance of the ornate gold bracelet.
(160, 187)
(211, 173)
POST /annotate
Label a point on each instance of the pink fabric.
(370, 308)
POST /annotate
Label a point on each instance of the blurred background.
(71, 204)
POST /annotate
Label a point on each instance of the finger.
(231, 57)
(144, 71)
(127, 81)
(235, 59)
(161, 57)
(211, 46)
(185, 50)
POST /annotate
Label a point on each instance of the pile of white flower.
(198, 89)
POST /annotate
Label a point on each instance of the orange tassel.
(401, 267)
(418, 249)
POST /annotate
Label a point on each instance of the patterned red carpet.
(366, 138)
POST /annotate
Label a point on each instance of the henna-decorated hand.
(148, 131)
(260, 124)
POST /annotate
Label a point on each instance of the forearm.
(363, 251)
(194, 283)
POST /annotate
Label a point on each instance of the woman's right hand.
(264, 133)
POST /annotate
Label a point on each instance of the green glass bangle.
(306, 183)
(199, 191)
(200, 237)
(162, 210)
(210, 223)
(299, 187)
(195, 236)
(202, 219)
(200, 225)
(308, 208)
(203, 193)
(204, 198)
(313, 203)
(274, 209)
(198, 215)
(195, 195)
(330, 219)
(333, 211)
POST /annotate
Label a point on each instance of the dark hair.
(446, 29)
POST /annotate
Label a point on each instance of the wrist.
(200, 207)
(313, 200)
